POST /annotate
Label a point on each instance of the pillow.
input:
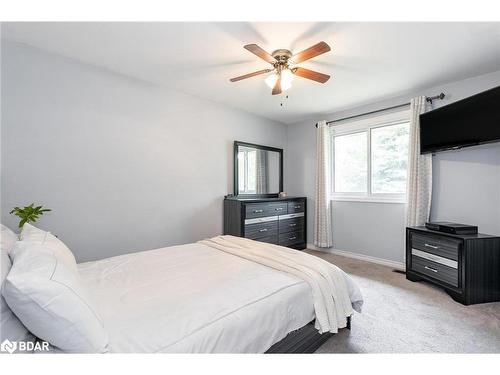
(50, 299)
(8, 238)
(46, 239)
(10, 327)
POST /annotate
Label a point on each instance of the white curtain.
(261, 172)
(419, 183)
(323, 214)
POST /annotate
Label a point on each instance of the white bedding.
(331, 300)
(195, 299)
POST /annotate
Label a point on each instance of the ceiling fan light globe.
(271, 80)
(286, 79)
(286, 76)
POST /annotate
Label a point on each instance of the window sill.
(369, 200)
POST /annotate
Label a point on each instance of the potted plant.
(29, 214)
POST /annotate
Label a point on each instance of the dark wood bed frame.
(304, 340)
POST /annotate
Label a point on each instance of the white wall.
(124, 165)
(466, 182)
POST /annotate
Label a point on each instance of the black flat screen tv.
(468, 122)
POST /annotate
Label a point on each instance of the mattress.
(195, 299)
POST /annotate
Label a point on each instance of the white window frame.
(245, 172)
(365, 125)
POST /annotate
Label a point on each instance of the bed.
(195, 299)
(225, 294)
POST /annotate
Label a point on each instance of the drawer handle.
(263, 230)
(431, 246)
(292, 238)
(296, 206)
(431, 269)
(292, 225)
(278, 208)
(257, 211)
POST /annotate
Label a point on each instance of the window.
(389, 158)
(370, 159)
(350, 163)
(247, 174)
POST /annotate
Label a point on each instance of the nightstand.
(466, 266)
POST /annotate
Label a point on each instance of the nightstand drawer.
(435, 270)
(435, 258)
(438, 245)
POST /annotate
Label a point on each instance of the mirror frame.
(235, 169)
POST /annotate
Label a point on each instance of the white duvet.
(331, 301)
(196, 299)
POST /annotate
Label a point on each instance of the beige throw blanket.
(332, 304)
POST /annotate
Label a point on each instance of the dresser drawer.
(291, 238)
(278, 208)
(435, 270)
(265, 209)
(295, 206)
(256, 210)
(268, 239)
(438, 245)
(291, 224)
(266, 219)
(263, 229)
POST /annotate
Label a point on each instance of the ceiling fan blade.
(256, 50)
(277, 86)
(263, 71)
(311, 74)
(316, 50)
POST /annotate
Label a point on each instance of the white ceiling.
(368, 61)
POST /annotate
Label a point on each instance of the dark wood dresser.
(280, 221)
(466, 266)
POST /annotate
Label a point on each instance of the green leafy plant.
(29, 214)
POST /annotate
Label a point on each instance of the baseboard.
(367, 258)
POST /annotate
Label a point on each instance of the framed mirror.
(258, 170)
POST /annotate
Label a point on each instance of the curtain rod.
(428, 99)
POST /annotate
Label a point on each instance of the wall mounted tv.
(468, 122)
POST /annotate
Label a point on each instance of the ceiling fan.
(281, 60)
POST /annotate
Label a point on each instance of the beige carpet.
(400, 316)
